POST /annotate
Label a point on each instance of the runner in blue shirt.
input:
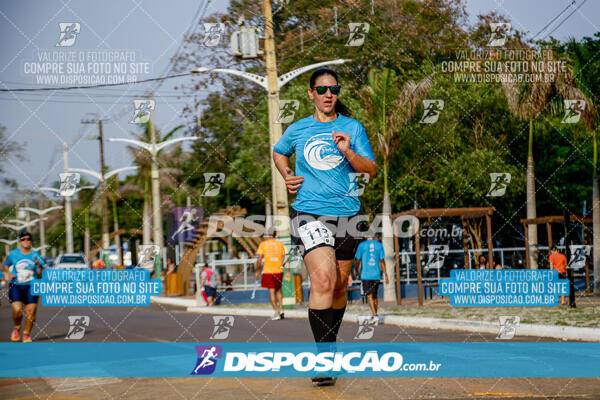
(21, 266)
(330, 149)
(371, 257)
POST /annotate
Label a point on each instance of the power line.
(567, 17)
(554, 19)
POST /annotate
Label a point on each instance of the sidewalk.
(436, 314)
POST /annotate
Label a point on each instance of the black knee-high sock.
(338, 315)
(321, 323)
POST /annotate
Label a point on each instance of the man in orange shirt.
(558, 261)
(271, 255)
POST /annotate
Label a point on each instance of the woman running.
(330, 149)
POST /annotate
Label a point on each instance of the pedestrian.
(98, 264)
(371, 257)
(482, 261)
(558, 261)
(330, 148)
(271, 257)
(20, 267)
(210, 281)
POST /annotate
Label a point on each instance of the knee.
(340, 289)
(323, 283)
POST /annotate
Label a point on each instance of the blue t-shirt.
(23, 266)
(328, 186)
(369, 253)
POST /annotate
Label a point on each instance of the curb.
(553, 331)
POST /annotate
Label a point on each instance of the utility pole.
(105, 240)
(68, 211)
(278, 188)
(156, 214)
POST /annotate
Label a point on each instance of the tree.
(586, 85)
(143, 160)
(388, 110)
(9, 148)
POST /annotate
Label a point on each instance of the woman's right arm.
(292, 181)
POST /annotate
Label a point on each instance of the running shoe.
(15, 335)
(323, 380)
(26, 338)
(276, 317)
(281, 315)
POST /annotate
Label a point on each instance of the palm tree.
(143, 160)
(389, 109)
(527, 101)
(584, 75)
(115, 193)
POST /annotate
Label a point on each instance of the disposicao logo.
(307, 361)
(207, 359)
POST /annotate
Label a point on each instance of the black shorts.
(21, 293)
(344, 243)
(210, 291)
(369, 287)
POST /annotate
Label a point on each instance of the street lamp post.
(102, 178)
(272, 84)
(41, 213)
(68, 213)
(153, 148)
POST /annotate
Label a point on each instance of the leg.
(17, 312)
(321, 267)
(340, 297)
(280, 299)
(273, 300)
(375, 302)
(30, 311)
(372, 304)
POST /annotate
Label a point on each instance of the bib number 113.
(314, 233)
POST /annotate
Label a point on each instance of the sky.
(147, 34)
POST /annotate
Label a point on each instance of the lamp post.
(68, 213)
(272, 84)
(102, 178)
(41, 213)
(153, 148)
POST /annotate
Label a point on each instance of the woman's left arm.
(359, 163)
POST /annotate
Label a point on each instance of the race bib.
(24, 275)
(314, 233)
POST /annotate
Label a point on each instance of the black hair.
(554, 248)
(340, 107)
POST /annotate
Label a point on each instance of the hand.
(256, 276)
(342, 141)
(287, 276)
(8, 276)
(292, 181)
(387, 280)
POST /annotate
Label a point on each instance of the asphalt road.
(159, 323)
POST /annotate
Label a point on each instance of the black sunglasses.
(334, 89)
(25, 238)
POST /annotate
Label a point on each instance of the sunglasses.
(334, 89)
(26, 239)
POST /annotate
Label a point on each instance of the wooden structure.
(548, 221)
(187, 261)
(464, 214)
